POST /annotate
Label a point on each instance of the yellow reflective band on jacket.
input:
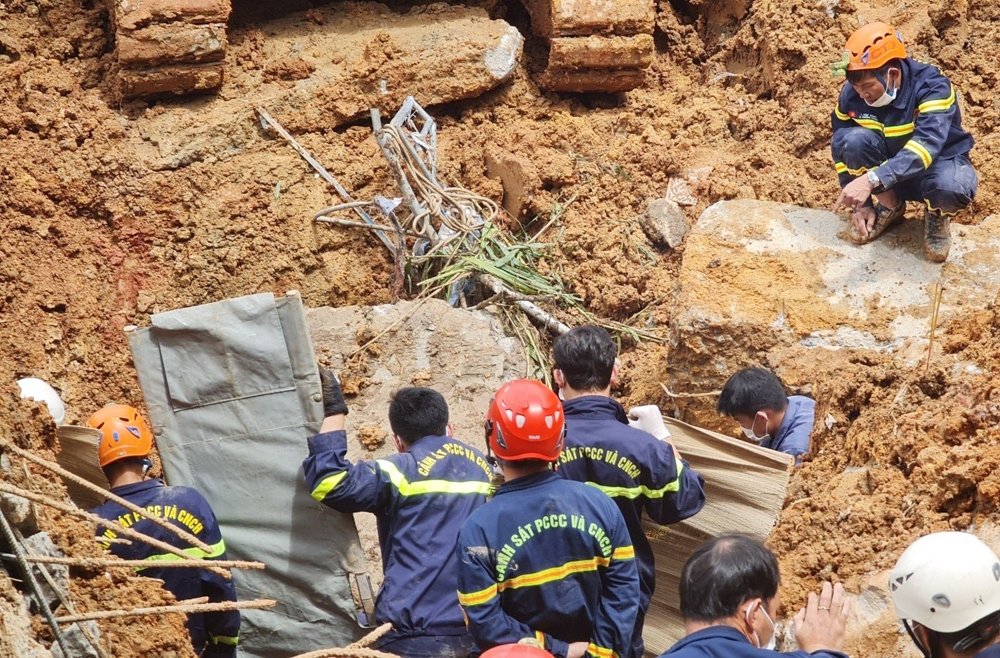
(540, 636)
(634, 492)
(194, 552)
(843, 169)
(600, 652)
(898, 131)
(407, 488)
(478, 598)
(840, 115)
(554, 573)
(888, 131)
(327, 484)
(224, 639)
(624, 553)
(938, 104)
(916, 147)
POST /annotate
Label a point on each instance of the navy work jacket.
(212, 633)
(551, 559)
(727, 642)
(637, 470)
(796, 427)
(989, 652)
(923, 123)
(420, 499)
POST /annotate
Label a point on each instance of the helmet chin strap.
(913, 636)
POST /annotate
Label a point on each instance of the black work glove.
(333, 397)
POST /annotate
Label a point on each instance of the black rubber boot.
(937, 236)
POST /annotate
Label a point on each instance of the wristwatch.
(873, 179)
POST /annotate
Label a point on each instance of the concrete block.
(40, 544)
(134, 14)
(18, 511)
(172, 79)
(598, 80)
(664, 223)
(757, 277)
(79, 645)
(172, 44)
(551, 18)
(596, 52)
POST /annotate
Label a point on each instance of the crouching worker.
(126, 442)
(897, 134)
(729, 600)
(946, 590)
(420, 497)
(756, 400)
(547, 557)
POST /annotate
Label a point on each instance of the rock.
(78, 644)
(368, 57)
(519, 177)
(17, 638)
(18, 511)
(758, 278)
(664, 223)
(40, 544)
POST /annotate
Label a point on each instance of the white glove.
(649, 419)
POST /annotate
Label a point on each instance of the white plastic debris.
(38, 390)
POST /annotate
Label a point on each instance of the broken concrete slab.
(464, 355)
(367, 57)
(77, 642)
(39, 544)
(757, 276)
(664, 223)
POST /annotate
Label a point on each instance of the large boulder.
(760, 277)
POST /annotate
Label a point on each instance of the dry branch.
(97, 520)
(132, 507)
(183, 607)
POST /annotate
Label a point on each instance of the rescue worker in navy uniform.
(645, 473)
(546, 557)
(897, 133)
(729, 600)
(420, 497)
(126, 442)
(946, 591)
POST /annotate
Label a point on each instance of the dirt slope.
(94, 239)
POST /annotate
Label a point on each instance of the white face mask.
(752, 435)
(886, 97)
(773, 642)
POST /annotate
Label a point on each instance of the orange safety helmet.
(873, 46)
(124, 433)
(516, 651)
(525, 421)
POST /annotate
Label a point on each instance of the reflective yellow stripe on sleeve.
(898, 131)
(478, 598)
(938, 104)
(327, 484)
(407, 488)
(634, 492)
(540, 636)
(920, 150)
(624, 553)
(844, 169)
(600, 652)
(225, 639)
(840, 115)
(194, 552)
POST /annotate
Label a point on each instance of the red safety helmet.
(124, 433)
(516, 651)
(525, 421)
(873, 46)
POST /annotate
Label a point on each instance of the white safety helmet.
(39, 391)
(946, 582)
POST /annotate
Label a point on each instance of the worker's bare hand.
(822, 623)
(863, 220)
(854, 195)
(577, 650)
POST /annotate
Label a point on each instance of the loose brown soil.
(95, 238)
